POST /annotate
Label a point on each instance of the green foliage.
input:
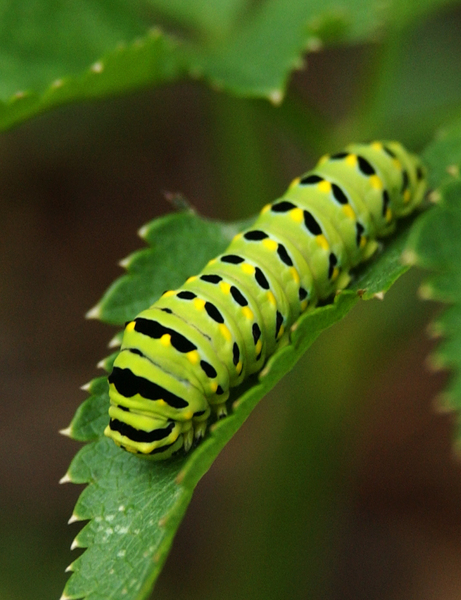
(95, 49)
(435, 244)
(135, 506)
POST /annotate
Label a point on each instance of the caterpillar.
(180, 357)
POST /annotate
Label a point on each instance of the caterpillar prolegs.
(180, 357)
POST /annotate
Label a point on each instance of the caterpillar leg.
(220, 410)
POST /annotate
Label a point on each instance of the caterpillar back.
(180, 357)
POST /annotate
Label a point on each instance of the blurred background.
(374, 513)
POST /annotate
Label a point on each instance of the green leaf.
(135, 506)
(435, 244)
(54, 53)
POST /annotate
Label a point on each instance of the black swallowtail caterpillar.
(180, 357)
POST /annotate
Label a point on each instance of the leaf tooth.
(435, 330)
(126, 262)
(143, 231)
(69, 569)
(65, 597)
(426, 291)
(97, 67)
(155, 32)
(67, 431)
(436, 362)
(115, 341)
(453, 170)
(75, 544)
(443, 403)
(314, 44)
(66, 478)
(434, 197)
(102, 364)
(276, 97)
(94, 313)
(409, 257)
(86, 387)
(74, 519)
(379, 295)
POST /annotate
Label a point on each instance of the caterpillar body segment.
(180, 357)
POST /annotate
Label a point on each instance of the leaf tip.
(102, 364)
(314, 44)
(125, 262)
(143, 232)
(65, 478)
(434, 197)
(435, 363)
(73, 519)
(69, 569)
(65, 597)
(426, 292)
(114, 342)
(379, 295)
(276, 97)
(435, 330)
(75, 544)
(97, 67)
(409, 257)
(94, 313)
(86, 387)
(453, 170)
(67, 431)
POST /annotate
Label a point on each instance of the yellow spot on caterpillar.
(271, 298)
(258, 346)
(323, 159)
(165, 340)
(406, 196)
(270, 244)
(265, 208)
(236, 237)
(225, 331)
(212, 261)
(130, 326)
(322, 241)
(294, 183)
(297, 215)
(225, 287)
(281, 332)
(248, 269)
(247, 312)
(193, 278)
(324, 186)
(213, 386)
(239, 367)
(349, 211)
(376, 182)
(161, 402)
(294, 273)
(396, 164)
(351, 160)
(363, 242)
(304, 304)
(335, 274)
(377, 146)
(199, 303)
(193, 356)
(388, 214)
(188, 415)
(168, 294)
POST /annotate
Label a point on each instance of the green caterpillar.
(180, 357)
